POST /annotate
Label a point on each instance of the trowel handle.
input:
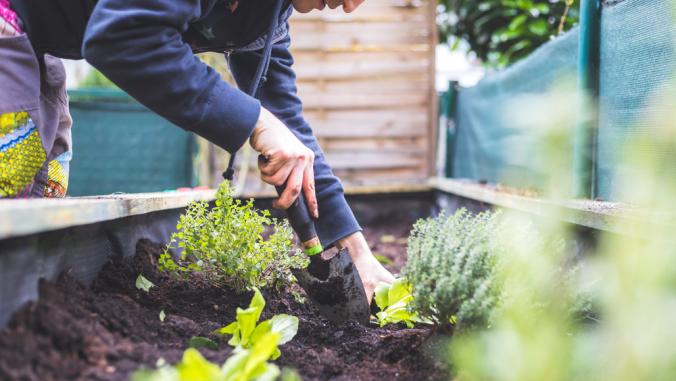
(301, 222)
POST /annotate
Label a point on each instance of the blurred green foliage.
(501, 32)
(630, 277)
(96, 80)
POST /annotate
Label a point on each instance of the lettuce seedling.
(394, 302)
(246, 332)
(143, 284)
(244, 365)
(252, 364)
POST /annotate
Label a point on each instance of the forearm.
(279, 96)
(138, 45)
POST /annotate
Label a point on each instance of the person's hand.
(370, 270)
(287, 161)
(348, 5)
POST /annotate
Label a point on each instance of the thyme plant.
(452, 266)
(227, 245)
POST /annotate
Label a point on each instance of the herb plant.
(394, 302)
(226, 245)
(452, 266)
(246, 333)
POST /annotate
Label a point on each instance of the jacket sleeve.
(137, 44)
(279, 95)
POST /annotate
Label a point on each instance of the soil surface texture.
(110, 329)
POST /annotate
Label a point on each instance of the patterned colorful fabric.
(9, 22)
(21, 154)
(57, 174)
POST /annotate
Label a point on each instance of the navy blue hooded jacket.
(147, 48)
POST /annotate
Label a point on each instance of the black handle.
(301, 222)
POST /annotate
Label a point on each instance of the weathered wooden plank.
(24, 217)
(357, 71)
(358, 160)
(330, 47)
(336, 101)
(329, 59)
(408, 28)
(383, 143)
(608, 216)
(307, 40)
(387, 128)
(374, 87)
(380, 176)
(367, 11)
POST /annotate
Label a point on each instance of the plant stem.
(562, 22)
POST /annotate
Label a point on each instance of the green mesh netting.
(491, 146)
(120, 146)
(637, 60)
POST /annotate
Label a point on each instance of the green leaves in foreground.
(247, 333)
(394, 302)
(244, 365)
(255, 344)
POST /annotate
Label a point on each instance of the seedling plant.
(255, 344)
(227, 246)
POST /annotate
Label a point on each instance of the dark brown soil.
(110, 329)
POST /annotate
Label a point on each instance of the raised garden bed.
(110, 329)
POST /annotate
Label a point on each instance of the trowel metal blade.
(335, 288)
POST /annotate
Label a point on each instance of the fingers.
(276, 169)
(309, 190)
(293, 188)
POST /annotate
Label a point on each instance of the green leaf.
(257, 303)
(246, 333)
(143, 284)
(382, 291)
(195, 367)
(517, 22)
(162, 316)
(286, 326)
(289, 374)
(399, 292)
(246, 324)
(252, 364)
(162, 374)
(539, 27)
(261, 330)
(202, 342)
(395, 304)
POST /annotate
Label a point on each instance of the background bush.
(501, 32)
(452, 266)
(226, 245)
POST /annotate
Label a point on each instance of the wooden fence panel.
(366, 80)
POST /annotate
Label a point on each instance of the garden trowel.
(332, 284)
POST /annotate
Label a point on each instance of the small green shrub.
(227, 246)
(452, 267)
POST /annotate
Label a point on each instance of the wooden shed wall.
(366, 80)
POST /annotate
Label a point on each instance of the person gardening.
(147, 49)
